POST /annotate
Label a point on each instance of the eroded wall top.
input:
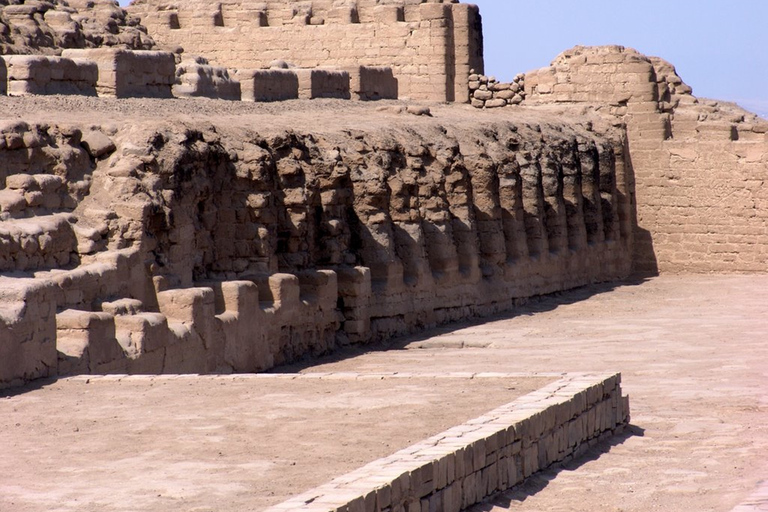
(47, 26)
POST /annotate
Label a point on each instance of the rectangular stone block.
(323, 83)
(372, 83)
(39, 74)
(268, 84)
(130, 73)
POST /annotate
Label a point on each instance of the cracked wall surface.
(181, 248)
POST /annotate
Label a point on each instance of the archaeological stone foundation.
(204, 245)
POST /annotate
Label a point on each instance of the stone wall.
(47, 26)
(196, 78)
(38, 74)
(487, 92)
(430, 46)
(470, 463)
(699, 164)
(225, 250)
(130, 74)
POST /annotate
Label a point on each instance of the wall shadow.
(539, 481)
(528, 307)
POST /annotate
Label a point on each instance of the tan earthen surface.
(693, 358)
(218, 443)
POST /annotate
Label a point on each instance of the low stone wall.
(131, 74)
(196, 78)
(469, 463)
(268, 84)
(372, 83)
(323, 83)
(38, 74)
(487, 92)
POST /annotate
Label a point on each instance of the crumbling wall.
(47, 26)
(430, 47)
(196, 78)
(699, 164)
(215, 248)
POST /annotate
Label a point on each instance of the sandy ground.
(694, 359)
(316, 116)
(216, 443)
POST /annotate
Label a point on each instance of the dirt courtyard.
(691, 350)
(228, 443)
(694, 360)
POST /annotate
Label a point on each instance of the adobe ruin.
(193, 243)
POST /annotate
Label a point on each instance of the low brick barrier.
(466, 464)
(130, 74)
(39, 74)
(268, 84)
(323, 83)
(368, 83)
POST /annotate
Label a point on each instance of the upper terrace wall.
(431, 47)
(700, 165)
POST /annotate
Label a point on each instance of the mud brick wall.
(244, 251)
(372, 83)
(323, 83)
(699, 164)
(130, 74)
(37, 74)
(268, 84)
(196, 78)
(430, 46)
(469, 463)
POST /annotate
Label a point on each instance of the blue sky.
(720, 48)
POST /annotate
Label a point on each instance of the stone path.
(694, 359)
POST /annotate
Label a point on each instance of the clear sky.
(720, 47)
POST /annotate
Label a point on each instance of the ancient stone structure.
(197, 78)
(197, 247)
(130, 74)
(700, 165)
(430, 46)
(487, 92)
(241, 252)
(39, 74)
(47, 26)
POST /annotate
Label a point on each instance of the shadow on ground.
(529, 307)
(539, 481)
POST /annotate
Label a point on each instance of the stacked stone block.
(368, 83)
(323, 83)
(268, 84)
(196, 78)
(38, 74)
(430, 46)
(487, 92)
(129, 74)
(611, 75)
(469, 463)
